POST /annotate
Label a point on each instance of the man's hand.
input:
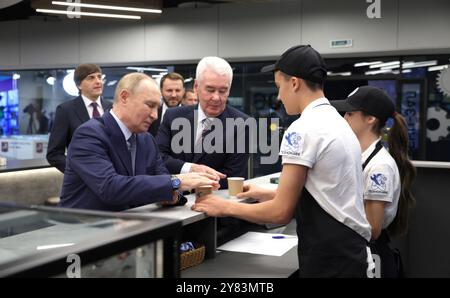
(196, 168)
(257, 193)
(211, 205)
(192, 180)
(171, 203)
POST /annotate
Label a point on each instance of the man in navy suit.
(113, 163)
(212, 85)
(71, 114)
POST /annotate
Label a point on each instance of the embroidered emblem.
(293, 140)
(378, 183)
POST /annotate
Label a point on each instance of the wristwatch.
(176, 182)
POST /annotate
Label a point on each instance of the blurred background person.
(73, 113)
(189, 98)
(172, 91)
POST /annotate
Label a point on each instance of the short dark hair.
(83, 70)
(313, 86)
(172, 76)
(188, 90)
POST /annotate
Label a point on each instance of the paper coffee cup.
(203, 190)
(235, 185)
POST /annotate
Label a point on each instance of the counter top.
(185, 214)
(228, 264)
(23, 164)
(431, 164)
(35, 241)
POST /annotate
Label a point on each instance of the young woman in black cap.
(321, 180)
(387, 174)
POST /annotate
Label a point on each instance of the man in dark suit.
(172, 91)
(212, 86)
(114, 164)
(71, 114)
(206, 128)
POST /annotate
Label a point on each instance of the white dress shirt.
(89, 108)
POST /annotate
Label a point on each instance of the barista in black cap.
(320, 183)
(387, 175)
(73, 113)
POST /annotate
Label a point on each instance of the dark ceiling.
(19, 11)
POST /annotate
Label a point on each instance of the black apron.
(391, 262)
(327, 247)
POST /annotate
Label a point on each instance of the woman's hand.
(212, 205)
(257, 193)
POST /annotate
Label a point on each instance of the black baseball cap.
(371, 100)
(301, 61)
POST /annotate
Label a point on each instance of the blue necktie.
(132, 148)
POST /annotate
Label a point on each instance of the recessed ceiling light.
(110, 7)
(89, 14)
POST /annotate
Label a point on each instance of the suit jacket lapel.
(80, 109)
(140, 165)
(118, 141)
(190, 156)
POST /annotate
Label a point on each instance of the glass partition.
(28, 98)
(41, 241)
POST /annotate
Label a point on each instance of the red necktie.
(95, 113)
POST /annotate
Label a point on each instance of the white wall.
(9, 44)
(424, 24)
(49, 43)
(182, 34)
(348, 20)
(235, 31)
(258, 30)
(106, 41)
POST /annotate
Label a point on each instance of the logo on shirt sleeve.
(293, 140)
(291, 144)
(378, 183)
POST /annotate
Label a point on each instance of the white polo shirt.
(323, 141)
(382, 181)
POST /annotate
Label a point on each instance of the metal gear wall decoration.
(437, 124)
(443, 81)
